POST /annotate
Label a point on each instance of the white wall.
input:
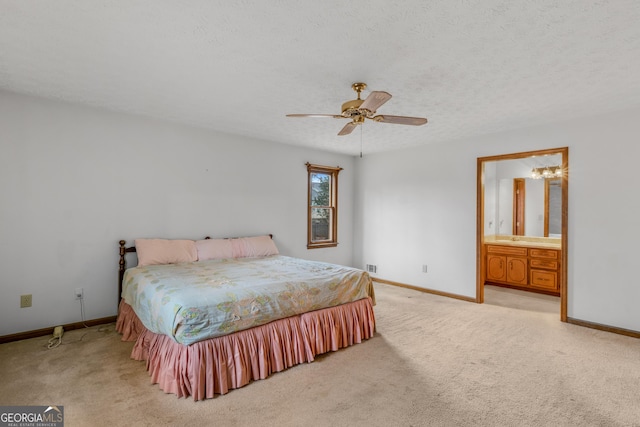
(505, 206)
(75, 180)
(418, 206)
(507, 170)
(491, 198)
(534, 207)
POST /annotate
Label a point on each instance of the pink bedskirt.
(217, 365)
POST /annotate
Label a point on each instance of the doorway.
(489, 225)
(518, 206)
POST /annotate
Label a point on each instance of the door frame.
(480, 252)
(518, 207)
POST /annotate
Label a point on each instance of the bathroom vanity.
(528, 263)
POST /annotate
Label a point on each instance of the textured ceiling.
(470, 67)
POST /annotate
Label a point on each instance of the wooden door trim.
(480, 251)
(546, 208)
(519, 197)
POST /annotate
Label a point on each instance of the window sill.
(321, 245)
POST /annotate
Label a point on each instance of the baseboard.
(111, 319)
(425, 290)
(49, 331)
(606, 328)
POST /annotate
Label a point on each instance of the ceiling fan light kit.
(357, 110)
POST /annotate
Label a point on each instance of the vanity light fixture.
(547, 172)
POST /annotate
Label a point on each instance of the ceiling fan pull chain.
(361, 126)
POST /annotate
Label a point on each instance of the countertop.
(524, 241)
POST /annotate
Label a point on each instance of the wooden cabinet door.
(496, 267)
(517, 270)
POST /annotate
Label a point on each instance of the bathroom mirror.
(553, 207)
(516, 204)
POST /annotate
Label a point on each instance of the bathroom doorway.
(541, 253)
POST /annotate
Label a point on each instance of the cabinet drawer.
(544, 279)
(508, 250)
(543, 253)
(543, 263)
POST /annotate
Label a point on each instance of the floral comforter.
(194, 301)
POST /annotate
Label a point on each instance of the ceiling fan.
(360, 109)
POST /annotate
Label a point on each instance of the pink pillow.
(214, 249)
(163, 251)
(253, 247)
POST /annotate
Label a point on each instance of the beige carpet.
(434, 361)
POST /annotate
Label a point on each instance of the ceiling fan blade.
(375, 100)
(401, 120)
(335, 116)
(348, 128)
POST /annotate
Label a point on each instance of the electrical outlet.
(26, 300)
(79, 293)
(424, 268)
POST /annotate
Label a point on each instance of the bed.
(213, 315)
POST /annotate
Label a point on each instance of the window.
(322, 206)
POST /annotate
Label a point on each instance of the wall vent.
(372, 268)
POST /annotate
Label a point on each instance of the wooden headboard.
(123, 264)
